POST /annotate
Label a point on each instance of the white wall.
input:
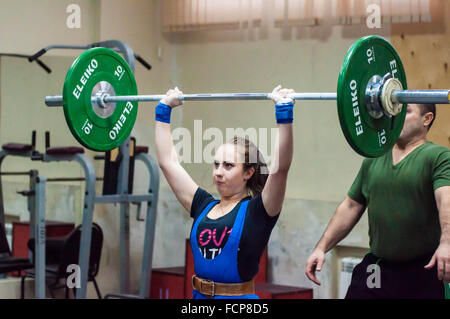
(29, 25)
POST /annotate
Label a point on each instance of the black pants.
(406, 280)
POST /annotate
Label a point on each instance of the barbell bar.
(58, 100)
(100, 97)
(403, 96)
(421, 96)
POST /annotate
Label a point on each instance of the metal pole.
(150, 223)
(122, 189)
(421, 96)
(33, 201)
(16, 173)
(57, 99)
(86, 228)
(403, 96)
(3, 154)
(39, 237)
(221, 96)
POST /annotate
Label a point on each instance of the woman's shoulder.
(202, 193)
(257, 209)
(200, 200)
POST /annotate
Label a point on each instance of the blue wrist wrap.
(284, 113)
(162, 113)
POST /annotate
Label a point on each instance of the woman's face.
(228, 172)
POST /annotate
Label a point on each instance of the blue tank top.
(223, 268)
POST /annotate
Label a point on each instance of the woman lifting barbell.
(229, 235)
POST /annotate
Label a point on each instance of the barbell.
(100, 97)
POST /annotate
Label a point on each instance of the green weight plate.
(94, 71)
(369, 56)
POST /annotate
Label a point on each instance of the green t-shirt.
(403, 216)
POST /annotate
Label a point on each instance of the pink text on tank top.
(212, 235)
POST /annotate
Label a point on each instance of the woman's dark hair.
(253, 158)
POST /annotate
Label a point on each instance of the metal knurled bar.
(402, 96)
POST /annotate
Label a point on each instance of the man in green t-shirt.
(407, 196)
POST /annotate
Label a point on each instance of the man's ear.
(429, 116)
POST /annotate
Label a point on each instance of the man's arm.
(442, 254)
(345, 218)
(347, 215)
(442, 195)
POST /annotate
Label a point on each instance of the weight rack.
(122, 197)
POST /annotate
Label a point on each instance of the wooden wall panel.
(425, 52)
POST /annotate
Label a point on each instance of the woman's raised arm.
(275, 188)
(179, 180)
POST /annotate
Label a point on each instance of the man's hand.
(442, 258)
(315, 262)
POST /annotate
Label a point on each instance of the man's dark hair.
(425, 108)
